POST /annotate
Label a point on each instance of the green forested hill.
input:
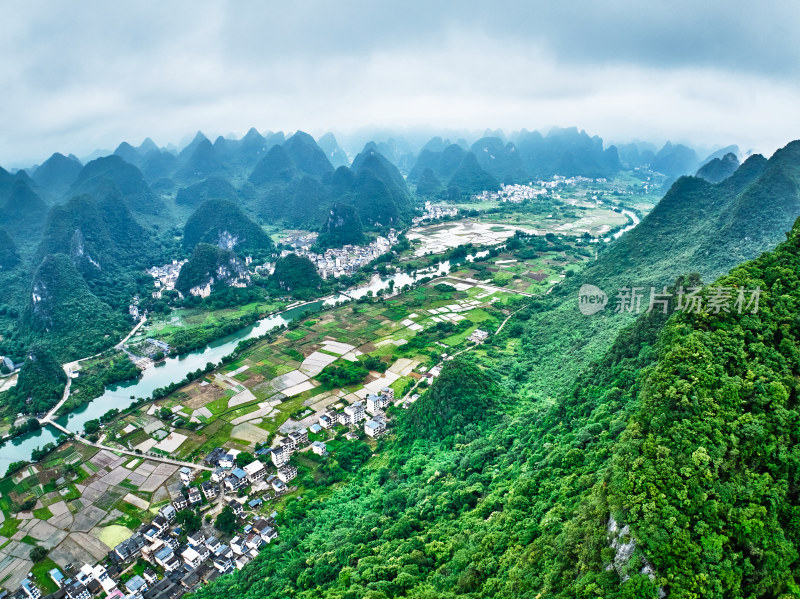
(470, 178)
(105, 243)
(210, 264)
(222, 223)
(213, 188)
(672, 465)
(294, 183)
(719, 169)
(342, 227)
(295, 275)
(60, 303)
(128, 180)
(56, 174)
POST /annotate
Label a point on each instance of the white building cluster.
(337, 262)
(166, 276)
(433, 212)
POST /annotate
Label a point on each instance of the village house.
(236, 480)
(265, 530)
(373, 428)
(160, 522)
(213, 543)
(213, 458)
(255, 471)
(191, 557)
(376, 403)
(186, 475)
(319, 448)
(166, 558)
(130, 547)
(355, 412)
(299, 437)
(152, 534)
(194, 496)
(77, 590)
(136, 585)
(57, 577)
(237, 545)
(223, 564)
(241, 561)
(237, 507)
(218, 474)
(180, 502)
(328, 421)
(478, 336)
(196, 539)
(280, 454)
(209, 489)
(253, 541)
(227, 461)
(31, 590)
(278, 486)
(287, 473)
(168, 512)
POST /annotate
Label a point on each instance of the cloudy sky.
(81, 76)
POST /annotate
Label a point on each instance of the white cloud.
(88, 76)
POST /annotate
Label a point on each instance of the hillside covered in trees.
(668, 467)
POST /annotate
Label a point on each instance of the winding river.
(176, 368)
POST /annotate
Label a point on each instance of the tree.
(226, 521)
(165, 413)
(38, 553)
(244, 458)
(91, 426)
(189, 520)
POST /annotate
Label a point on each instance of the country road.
(84, 441)
(69, 366)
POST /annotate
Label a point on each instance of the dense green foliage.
(343, 373)
(226, 521)
(664, 461)
(675, 160)
(428, 184)
(40, 384)
(470, 178)
(138, 196)
(686, 436)
(60, 301)
(463, 395)
(214, 188)
(91, 383)
(189, 520)
(296, 184)
(56, 174)
(105, 243)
